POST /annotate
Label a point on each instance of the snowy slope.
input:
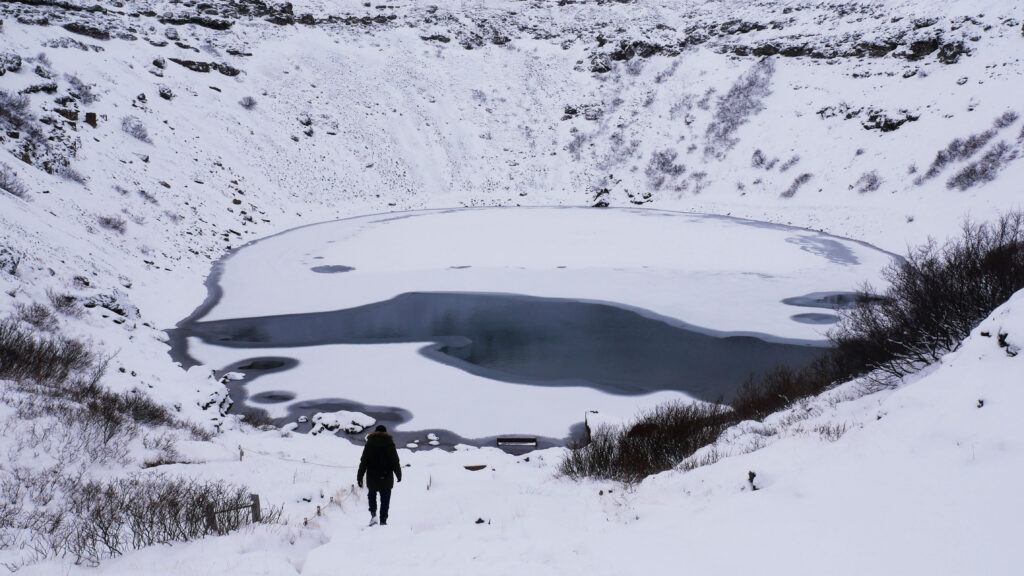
(919, 480)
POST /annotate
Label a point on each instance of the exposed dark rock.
(204, 21)
(192, 65)
(921, 48)
(436, 38)
(87, 30)
(880, 120)
(48, 87)
(9, 62)
(919, 23)
(226, 69)
(875, 49)
(950, 52)
(600, 63)
(71, 115)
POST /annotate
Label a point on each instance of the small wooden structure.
(518, 441)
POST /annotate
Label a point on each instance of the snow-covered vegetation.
(143, 140)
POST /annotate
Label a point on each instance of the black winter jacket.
(379, 462)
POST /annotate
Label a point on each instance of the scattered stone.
(192, 65)
(171, 34)
(9, 62)
(87, 30)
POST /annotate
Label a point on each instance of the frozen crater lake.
(474, 323)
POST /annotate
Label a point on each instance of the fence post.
(257, 515)
(211, 518)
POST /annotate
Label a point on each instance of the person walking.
(379, 463)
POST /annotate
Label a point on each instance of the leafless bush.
(68, 173)
(10, 182)
(80, 90)
(831, 432)
(24, 355)
(248, 102)
(868, 182)
(797, 183)
(15, 111)
(9, 261)
(100, 519)
(960, 149)
(657, 441)
(936, 297)
(115, 223)
(985, 169)
(256, 417)
(65, 304)
(37, 315)
(744, 99)
(575, 146)
(134, 127)
(663, 166)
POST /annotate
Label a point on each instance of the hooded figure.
(379, 463)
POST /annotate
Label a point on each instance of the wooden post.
(211, 518)
(257, 515)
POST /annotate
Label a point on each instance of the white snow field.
(919, 480)
(720, 274)
(878, 123)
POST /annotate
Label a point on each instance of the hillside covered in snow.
(143, 141)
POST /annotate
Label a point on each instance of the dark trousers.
(385, 503)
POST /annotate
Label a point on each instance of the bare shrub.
(68, 173)
(985, 169)
(24, 355)
(256, 417)
(10, 183)
(868, 182)
(65, 304)
(133, 126)
(936, 296)
(744, 99)
(9, 261)
(960, 149)
(115, 223)
(789, 163)
(37, 315)
(247, 102)
(15, 111)
(656, 441)
(100, 519)
(662, 166)
(797, 183)
(758, 159)
(80, 90)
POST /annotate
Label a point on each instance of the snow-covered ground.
(919, 480)
(885, 122)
